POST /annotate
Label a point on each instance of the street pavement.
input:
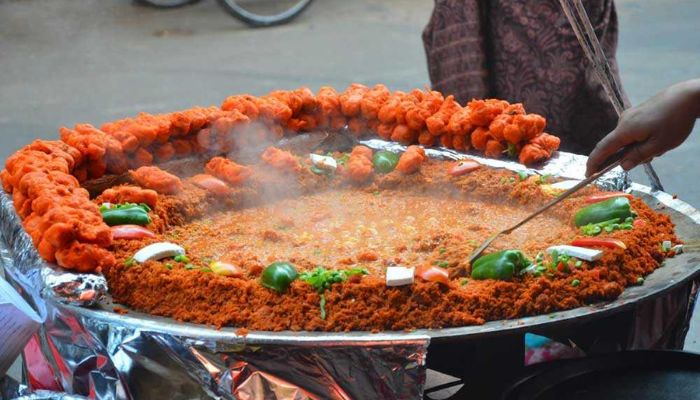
(67, 61)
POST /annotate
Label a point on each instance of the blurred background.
(69, 61)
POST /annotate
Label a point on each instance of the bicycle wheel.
(265, 12)
(166, 3)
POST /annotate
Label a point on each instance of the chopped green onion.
(539, 257)
(442, 250)
(129, 262)
(181, 258)
(442, 264)
(522, 175)
(320, 171)
(575, 282)
(189, 266)
(343, 159)
(640, 280)
(168, 266)
(463, 281)
(322, 279)
(578, 263)
(512, 150)
(322, 305)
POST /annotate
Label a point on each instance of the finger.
(639, 154)
(609, 145)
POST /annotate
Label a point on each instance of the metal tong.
(611, 163)
(581, 24)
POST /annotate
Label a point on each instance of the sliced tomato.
(561, 267)
(211, 184)
(432, 273)
(131, 232)
(464, 167)
(87, 295)
(599, 242)
(597, 198)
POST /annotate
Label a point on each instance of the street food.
(252, 235)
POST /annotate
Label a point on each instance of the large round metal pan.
(674, 273)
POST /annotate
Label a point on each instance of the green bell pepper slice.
(278, 276)
(385, 161)
(501, 265)
(615, 208)
(126, 214)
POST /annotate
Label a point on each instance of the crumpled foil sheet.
(87, 349)
(567, 166)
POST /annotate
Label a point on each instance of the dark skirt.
(524, 51)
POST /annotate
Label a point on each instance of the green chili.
(278, 276)
(385, 161)
(616, 209)
(126, 214)
(501, 265)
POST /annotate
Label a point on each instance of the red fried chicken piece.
(359, 166)
(157, 179)
(411, 160)
(280, 159)
(227, 170)
(539, 149)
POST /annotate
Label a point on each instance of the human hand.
(652, 128)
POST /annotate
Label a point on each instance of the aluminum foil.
(85, 348)
(563, 165)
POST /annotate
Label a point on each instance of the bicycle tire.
(256, 20)
(166, 3)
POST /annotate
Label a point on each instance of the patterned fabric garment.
(525, 51)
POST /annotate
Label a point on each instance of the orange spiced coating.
(411, 160)
(228, 170)
(155, 178)
(48, 174)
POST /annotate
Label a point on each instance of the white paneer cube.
(666, 245)
(399, 276)
(323, 162)
(158, 251)
(581, 253)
